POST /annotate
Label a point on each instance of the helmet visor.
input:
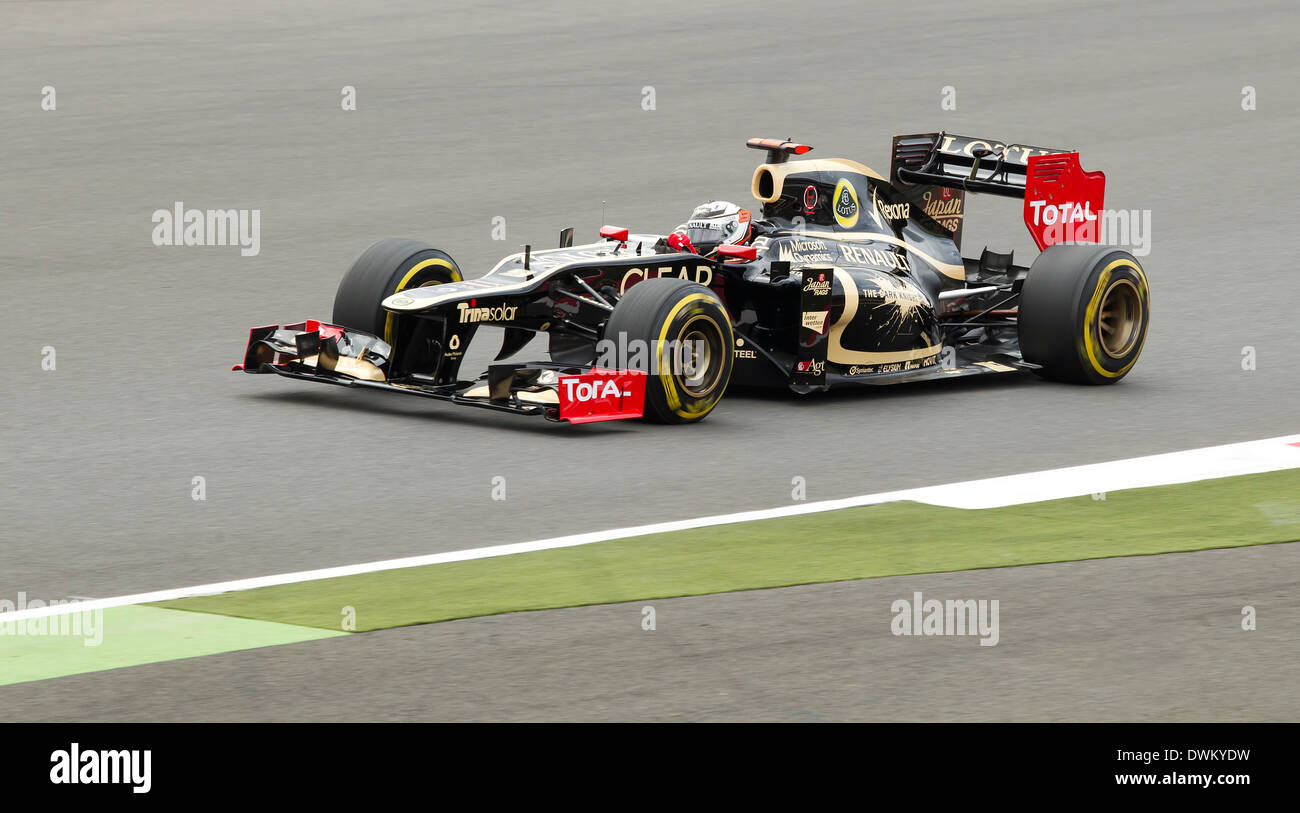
(706, 235)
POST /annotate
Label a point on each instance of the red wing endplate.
(1063, 204)
(602, 395)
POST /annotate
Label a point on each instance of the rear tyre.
(390, 265)
(1084, 312)
(686, 339)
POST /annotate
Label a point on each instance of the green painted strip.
(883, 540)
(130, 636)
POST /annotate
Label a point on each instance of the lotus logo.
(846, 204)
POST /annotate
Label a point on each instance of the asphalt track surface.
(1155, 638)
(534, 113)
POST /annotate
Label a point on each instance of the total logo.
(1049, 213)
(500, 313)
(580, 391)
(846, 204)
(702, 274)
(819, 286)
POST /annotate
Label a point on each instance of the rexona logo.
(500, 313)
(846, 204)
(891, 211)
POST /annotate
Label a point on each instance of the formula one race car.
(847, 278)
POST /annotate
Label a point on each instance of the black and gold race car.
(847, 277)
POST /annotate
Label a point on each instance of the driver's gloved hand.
(680, 242)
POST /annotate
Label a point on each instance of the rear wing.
(1062, 202)
(962, 162)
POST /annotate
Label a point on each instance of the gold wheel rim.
(1119, 318)
(696, 344)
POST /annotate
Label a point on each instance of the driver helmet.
(714, 223)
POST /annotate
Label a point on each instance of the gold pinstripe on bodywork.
(837, 353)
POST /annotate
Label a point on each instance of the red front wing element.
(602, 395)
(1063, 204)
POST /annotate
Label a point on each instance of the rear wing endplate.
(1051, 181)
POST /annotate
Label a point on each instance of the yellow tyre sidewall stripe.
(401, 286)
(688, 411)
(1092, 352)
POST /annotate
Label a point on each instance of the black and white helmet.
(716, 223)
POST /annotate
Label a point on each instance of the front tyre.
(1084, 312)
(679, 334)
(390, 265)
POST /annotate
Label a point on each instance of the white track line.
(1253, 457)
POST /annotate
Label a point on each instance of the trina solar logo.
(500, 313)
(846, 204)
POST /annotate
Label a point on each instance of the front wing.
(330, 354)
